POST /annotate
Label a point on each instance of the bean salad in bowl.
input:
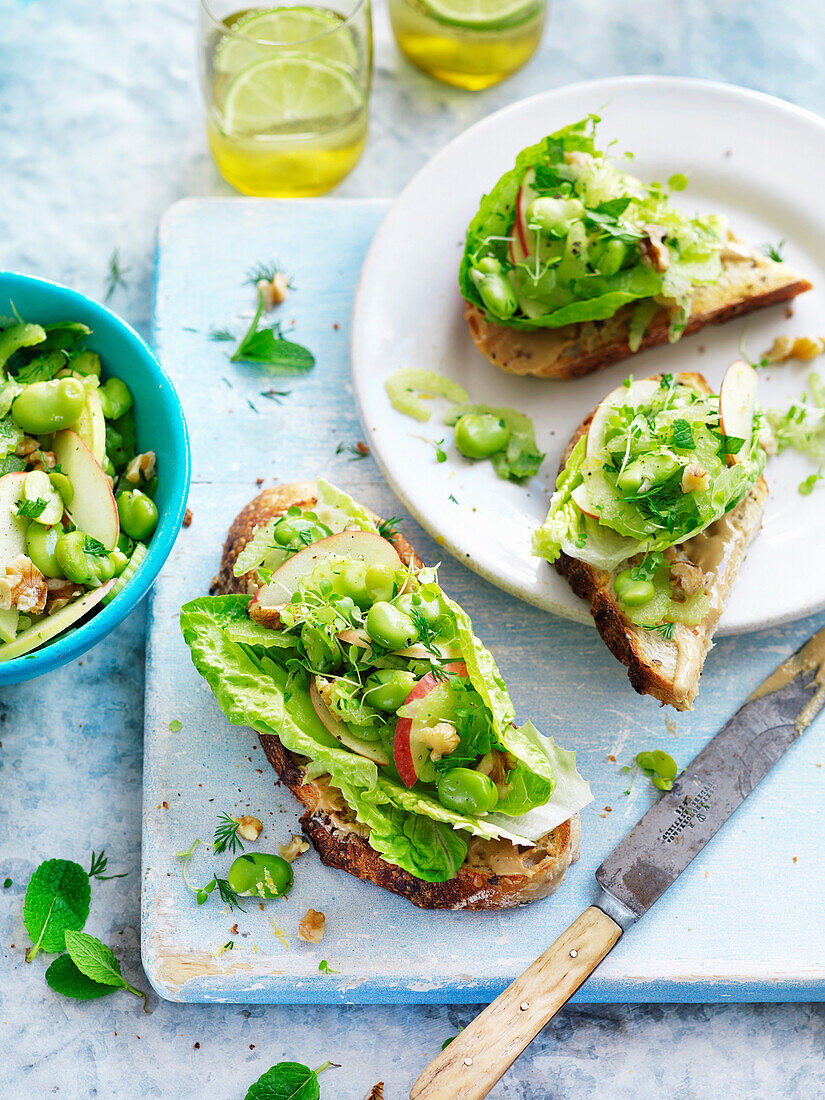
(78, 491)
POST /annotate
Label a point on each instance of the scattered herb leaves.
(117, 275)
(288, 1081)
(268, 347)
(64, 977)
(356, 451)
(276, 395)
(7, 883)
(440, 453)
(774, 251)
(57, 900)
(388, 528)
(176, 725)
(807, 486)
(98, 866)
(268, 273)
(31, 509)
(97, 961)
(226, 835)
(94, 547)
(452, 498)
(221, 335)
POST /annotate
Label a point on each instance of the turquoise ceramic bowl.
(160, 428)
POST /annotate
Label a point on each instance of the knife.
(636, 874)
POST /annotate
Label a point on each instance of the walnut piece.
(311, 926)
(23, 587)
(26, 446)
(61, 592)
(141, 468)
(266, 616)
(780, 351)
(41, 460)
(694, 478)
(442, 739)
(653, 248)
(689, 578)
(187, 518)
(249, 827)
(296, 847)
(274, 290)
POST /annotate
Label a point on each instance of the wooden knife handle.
(486, 1048)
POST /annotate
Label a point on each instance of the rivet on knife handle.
(486, 1048)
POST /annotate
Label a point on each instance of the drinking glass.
(287, 93)
(469, 43)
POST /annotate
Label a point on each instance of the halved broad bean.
(46, 407)
(632, 592)
(390, 627)
(40, 545)
(380, 582)
(388, 688)
(479, 435)
(115, 398)
(257, 874)
(465, 791)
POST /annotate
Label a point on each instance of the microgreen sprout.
(440, 453)
(325, 968)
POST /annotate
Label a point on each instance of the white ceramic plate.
(753, 158)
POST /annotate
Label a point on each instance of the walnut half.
(311, 926)
(23, 587)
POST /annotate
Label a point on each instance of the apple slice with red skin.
(340, 731)
(359, 545)
(93, 508)
(737, 403)
(637, 393)
(526, 194)
(408, 753)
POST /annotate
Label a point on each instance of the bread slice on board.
(749, 281)
(496, 874)
(669, 669)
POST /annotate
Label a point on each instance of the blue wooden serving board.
(746, 922)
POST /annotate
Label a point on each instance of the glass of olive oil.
(287, 93)
(469, 43)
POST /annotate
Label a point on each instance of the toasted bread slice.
(496, 874)
(749, 281)
(669, 669)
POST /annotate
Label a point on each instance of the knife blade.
(636, 874)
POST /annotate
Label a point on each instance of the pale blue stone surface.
(99, 133)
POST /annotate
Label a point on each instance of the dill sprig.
(221, 335)
(267, 272)
(226, 834)
(228, 895)
(354, 450)
(98, 866)
(277, 396)
(117, 275)
(387, 527)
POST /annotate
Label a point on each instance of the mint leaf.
(287, 1081)
(31, 509)
(268, 347)
(64, 977)
(96, 961)
(57, 901)
(94, 547)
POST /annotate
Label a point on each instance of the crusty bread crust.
(747, 284)
(482, 881)
(651, 660)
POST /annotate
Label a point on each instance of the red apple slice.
(408, 752)
(360, 545)
(637, 393)
(53, 625)
(737, 403)
(340, 731)
(526, 194)
(93, 508)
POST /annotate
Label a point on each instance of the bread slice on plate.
(750, 281)
(496, 873)
(669, 667)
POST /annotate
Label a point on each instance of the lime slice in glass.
(284, 93)
(479, 14)
(318, 33)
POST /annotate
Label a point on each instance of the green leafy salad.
(76, 508)
(368, 672)
(661, 461)
(568, 236)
